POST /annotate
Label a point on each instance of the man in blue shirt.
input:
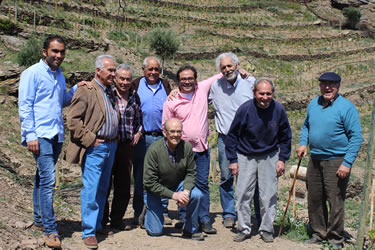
(332, 129)
(152, 91)
(42, 95)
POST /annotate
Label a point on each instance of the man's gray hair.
(234, 58)
(125, 67)
(261, 79)
(150, 57)
(99, 61)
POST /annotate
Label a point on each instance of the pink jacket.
(193, 114)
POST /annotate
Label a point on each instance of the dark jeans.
(138, 161)
(121, 171)
(324, 185)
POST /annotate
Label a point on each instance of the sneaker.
(266, 236)
(167, 220)
(90, 242)
(179, 224)
(52, 240)
(194, 236)
(228, 222)
(240, 236)
(207, 228)
(312, 240)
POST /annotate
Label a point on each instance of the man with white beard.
(227, 94)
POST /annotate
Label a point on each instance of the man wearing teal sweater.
(332, 129)
(169, 171)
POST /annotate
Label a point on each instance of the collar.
(101, 85)
(229, 85)
(321, 101)
(47, 68)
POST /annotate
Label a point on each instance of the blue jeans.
(96, 173)
(202, 162)
(138, 161)
(154, 219)
(44, 184)
(226, 184)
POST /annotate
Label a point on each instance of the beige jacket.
(85, 118)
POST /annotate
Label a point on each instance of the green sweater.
(160, 175)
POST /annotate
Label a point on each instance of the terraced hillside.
(292, 42)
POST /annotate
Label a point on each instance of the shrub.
(31, 53)
(7, 26)
(353, 16)
(164, 42)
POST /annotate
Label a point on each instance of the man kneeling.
(169, 171)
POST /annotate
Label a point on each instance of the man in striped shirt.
(93, 123)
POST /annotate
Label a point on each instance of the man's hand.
(233, 167)
(96, 142)
(33, 146)
(301, 151)
(244, 73)
(343, 171)
(136, 139)
(182, 197)
(280, 168)
(172, 95)
(82, 83)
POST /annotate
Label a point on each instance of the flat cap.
(330, 77)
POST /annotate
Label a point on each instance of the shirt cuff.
(31, 137)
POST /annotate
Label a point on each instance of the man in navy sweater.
(332, 129)
(258, 144)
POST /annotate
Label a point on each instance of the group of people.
(117, 123)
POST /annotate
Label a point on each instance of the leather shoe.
(52, 240)
(228, 222)
(312, 240)
(104, 232)
(207, 228)
(90, 242)
(194, 236)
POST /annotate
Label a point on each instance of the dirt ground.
(16, 216)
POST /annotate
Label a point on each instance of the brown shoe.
(37, 228)
(52, 240)
(105, 232)
(90, 242)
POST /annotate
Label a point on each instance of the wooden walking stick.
(290, 194)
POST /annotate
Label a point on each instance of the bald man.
(169, 172)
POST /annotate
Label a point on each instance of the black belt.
(153, 133)
(106, 139)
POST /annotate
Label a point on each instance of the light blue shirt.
(152, 101)
(226, 100)
(42, 95)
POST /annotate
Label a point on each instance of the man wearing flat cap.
(332, 130)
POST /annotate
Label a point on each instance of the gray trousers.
(250, 168)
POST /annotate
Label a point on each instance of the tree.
(165, 43)
(353, 16)
(31, 53)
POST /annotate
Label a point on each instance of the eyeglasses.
(175, 132)
(187, 79)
